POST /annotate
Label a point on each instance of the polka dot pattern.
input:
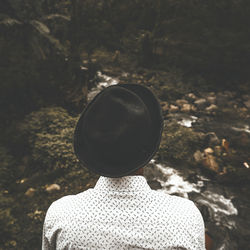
(123, 213)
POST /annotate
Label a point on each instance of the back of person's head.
(119, 131)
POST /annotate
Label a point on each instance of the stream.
(225, 209)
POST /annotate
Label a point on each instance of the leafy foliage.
(49, 132)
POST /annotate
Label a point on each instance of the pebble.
(53, 188)
(30, 192)
(211, 99)
(186, 108)
(191, 96)
(181, 102)
(212, 107)
(198, 156)
(173, 108)
(200, 102)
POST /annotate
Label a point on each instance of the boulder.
(53, 188)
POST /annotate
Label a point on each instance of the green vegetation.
(179, 143)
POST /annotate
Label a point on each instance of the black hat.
(119, 131)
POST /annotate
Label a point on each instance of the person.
(117, 134)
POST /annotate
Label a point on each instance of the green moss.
(49, 134)
(178, 143)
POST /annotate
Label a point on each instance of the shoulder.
(64, 205)
(180, 207)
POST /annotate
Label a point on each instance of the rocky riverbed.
(204, 154)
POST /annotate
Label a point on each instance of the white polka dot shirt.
(123, 213)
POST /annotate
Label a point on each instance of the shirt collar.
(133, 183)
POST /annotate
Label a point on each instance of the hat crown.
(115, 117)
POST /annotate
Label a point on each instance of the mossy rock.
(179, 143)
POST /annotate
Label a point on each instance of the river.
(225, 209)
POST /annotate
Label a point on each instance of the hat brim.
(154, 109)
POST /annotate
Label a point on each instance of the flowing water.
(225, 209)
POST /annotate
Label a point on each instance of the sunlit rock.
(208, 151)
(210, 162)
(201, 103)
(173, 108)
(30, 192)
(212, 107)
(186, 108)
(191, 96)
(53, 188)
(181, 102)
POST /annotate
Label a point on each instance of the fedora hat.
(119, 131)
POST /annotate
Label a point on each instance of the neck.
(137, 172)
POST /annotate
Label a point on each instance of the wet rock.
(181, 102)
(53, 188)
(173, 108)
(210, 162)
(201, 103)
(211, 139)
(212, 107)
(30, 192)
(154, 184)
(208, 151)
